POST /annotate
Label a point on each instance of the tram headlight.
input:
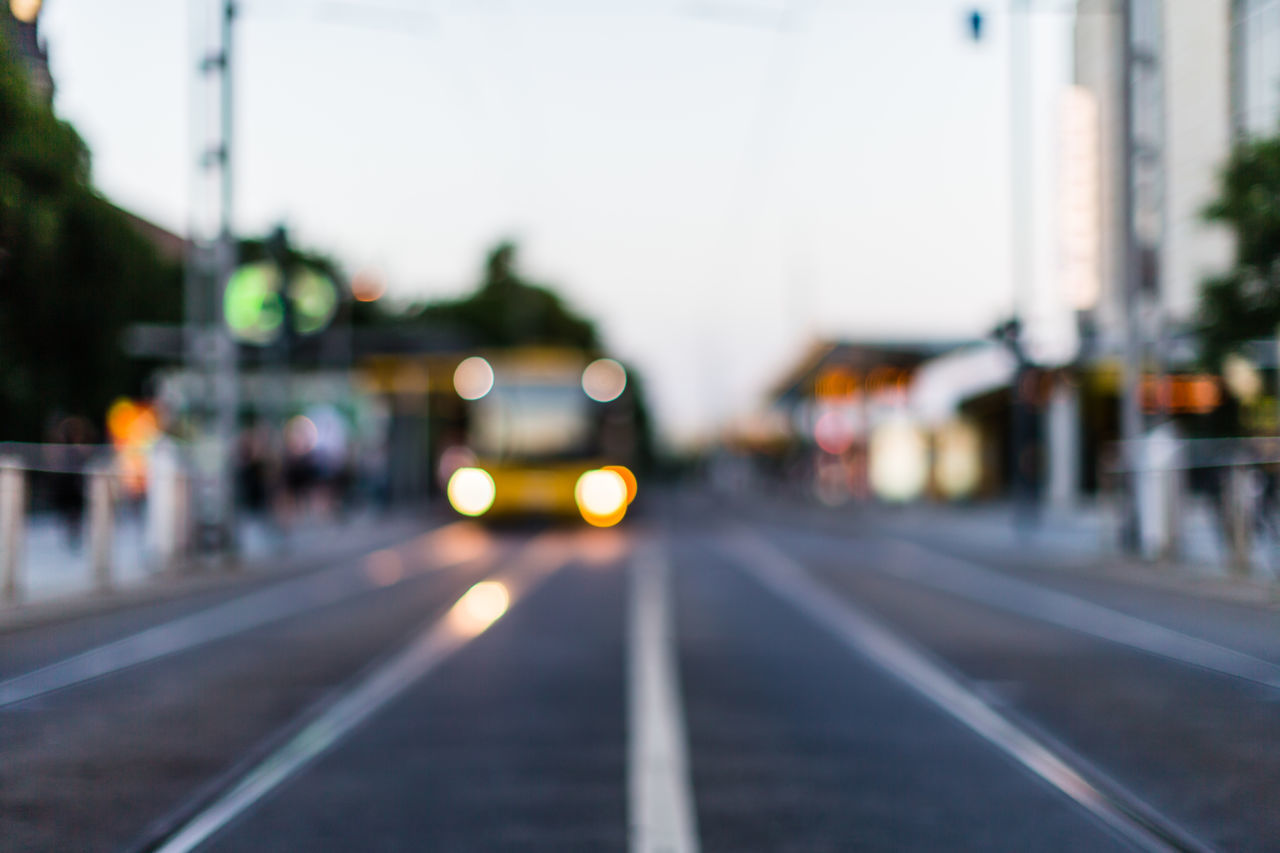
(471, 491)
(627, 477)
(602, 497)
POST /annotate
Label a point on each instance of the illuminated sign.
(1195, 394)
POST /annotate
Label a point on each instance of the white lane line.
(1136, 822)
(473, 613)
(275, 603)
(975, 582)
(660, 798)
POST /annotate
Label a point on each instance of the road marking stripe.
(253, 610)
(975, 582)
(426, 651)
(660, 798)
(1136, 822)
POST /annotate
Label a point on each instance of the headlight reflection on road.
(480, 607)
(602, 547)
(384, 567)
(457, 542)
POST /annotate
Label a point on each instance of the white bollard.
(163, 532)
(1157, 498)
(1241, 498)
(13, 501)
(101, 525)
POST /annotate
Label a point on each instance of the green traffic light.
(254, 309)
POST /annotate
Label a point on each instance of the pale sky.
(718, 183)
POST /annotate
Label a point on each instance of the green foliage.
(73, 273)
(1244, 304)
(507, 310)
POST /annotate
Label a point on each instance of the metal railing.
(79, 500)
(1238, 477)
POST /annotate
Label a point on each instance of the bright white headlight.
(471, 491)
(601, 493)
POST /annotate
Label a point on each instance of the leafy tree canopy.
(1244, 303)
(73, 272)
(507, 310)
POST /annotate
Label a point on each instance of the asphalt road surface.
(710, 677)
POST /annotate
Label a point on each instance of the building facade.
(1255, 67)
(1182, 103)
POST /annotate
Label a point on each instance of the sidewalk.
(56, 574)
(1087, 540)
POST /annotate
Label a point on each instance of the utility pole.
(277, 246)
(211, 351)
(1131, 418)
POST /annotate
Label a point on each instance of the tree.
(1244, 303)
(507, 310)
(73, 272)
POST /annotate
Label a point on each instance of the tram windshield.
(532, 421)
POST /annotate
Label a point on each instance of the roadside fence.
(76, 516)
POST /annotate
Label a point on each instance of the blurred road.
(760, 676)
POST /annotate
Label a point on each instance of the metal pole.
(1131, 374)
(216, 459)
(1021, 256)
(1020, 154)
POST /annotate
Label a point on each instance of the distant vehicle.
(549, 433)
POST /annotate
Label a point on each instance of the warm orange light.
(627, 477)
(836, 383)
(1181, 393)
(131, 468)
(602, 497)
(131, 424)
(367, 287)
(25, 11)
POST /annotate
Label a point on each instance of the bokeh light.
(471, 491)
(957, 467)
(367, 287)
(251, 303)
(25, 11)
(314, 298)
(473, 378)
(627, 477)
(601, 497)
(480, 607)
(899, 463)
(301, 435)
(604, 380)
(833, 432)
